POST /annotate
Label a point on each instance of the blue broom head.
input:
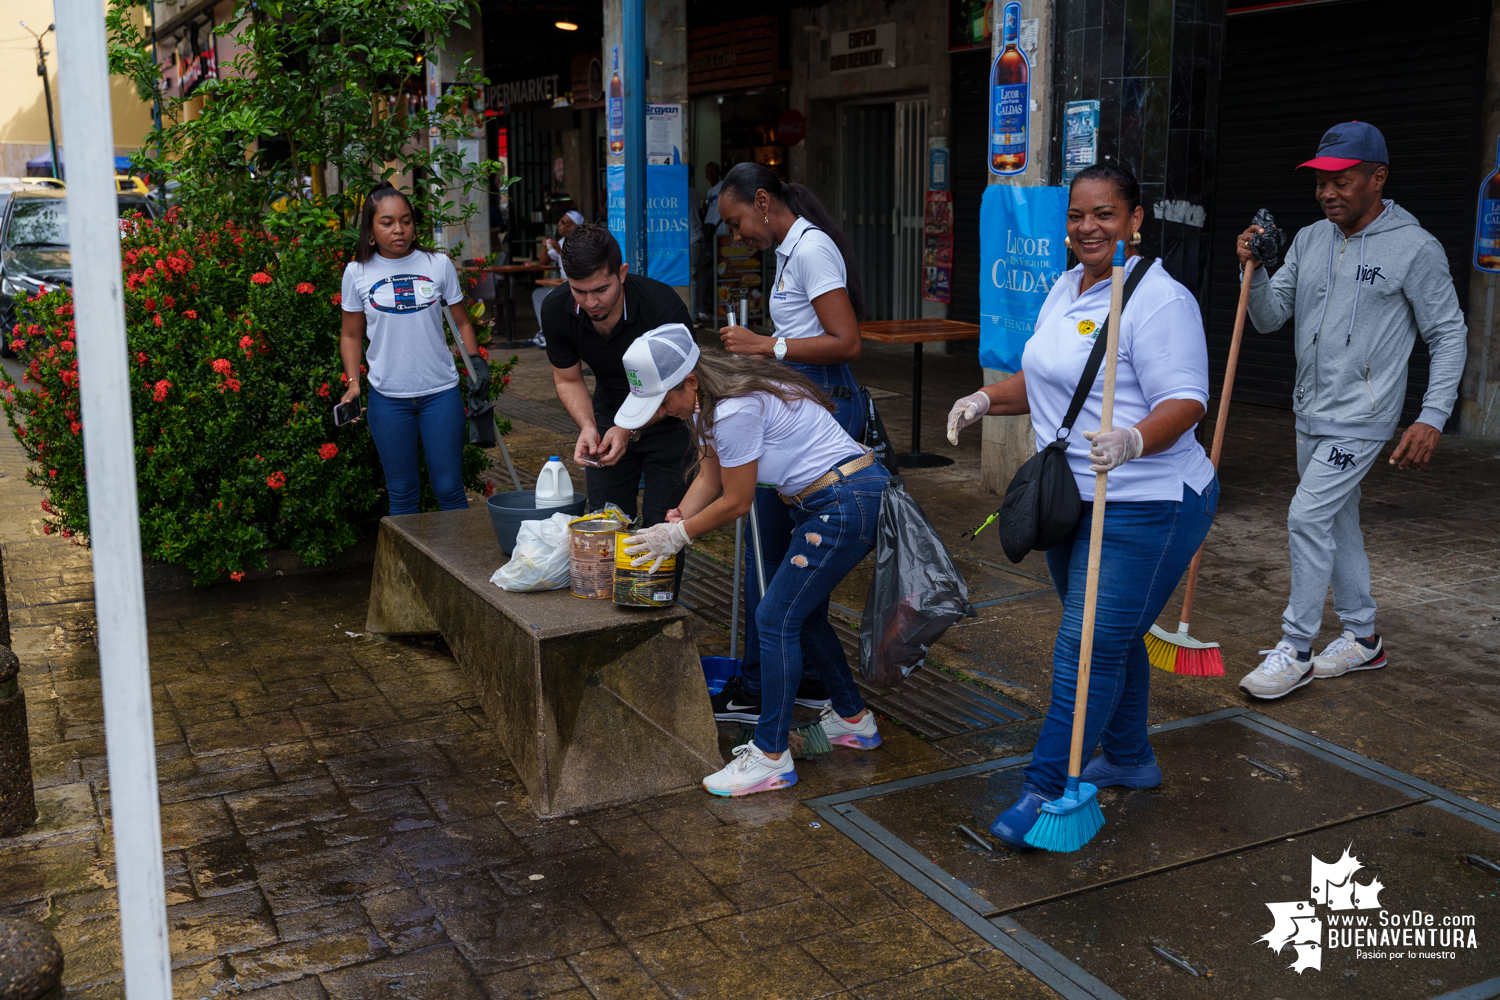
(1065, 824)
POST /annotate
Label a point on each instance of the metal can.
(591, 557)
(638, 587)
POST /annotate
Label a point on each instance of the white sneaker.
(1278, 674)
(752, 771)
(861, 735)
(1345, 654)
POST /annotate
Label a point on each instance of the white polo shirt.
(1162, 355)
(808, 264)
(794, 443)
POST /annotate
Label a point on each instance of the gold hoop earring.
(1135, 240)
(1067, 243)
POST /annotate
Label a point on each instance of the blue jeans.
(834, 530)
(776, 517)
(439, 420)
(1147, 547)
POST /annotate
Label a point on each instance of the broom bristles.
(1065, 824)
(806, 740)
(1177, 652)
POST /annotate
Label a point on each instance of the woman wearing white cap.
(760, 422)
(565, 227)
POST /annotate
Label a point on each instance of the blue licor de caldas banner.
(1021, 250)
(666, 219)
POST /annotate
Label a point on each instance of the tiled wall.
(1153, 65)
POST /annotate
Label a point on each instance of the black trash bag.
(481, 408)
(916, 594)
(875, 437)
(1266, 246)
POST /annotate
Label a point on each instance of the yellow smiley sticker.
(1086, 327)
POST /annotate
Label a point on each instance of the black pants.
(662, 455)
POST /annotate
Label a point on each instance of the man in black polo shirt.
(590, 320)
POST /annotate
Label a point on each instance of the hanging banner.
(1022, 254)
(666, 219)
(1010, 99)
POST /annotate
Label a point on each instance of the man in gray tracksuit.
(1362, 284)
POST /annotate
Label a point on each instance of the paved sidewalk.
(339, 823)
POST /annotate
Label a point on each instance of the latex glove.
(657, 542)
(1112, 449)
(966, 412)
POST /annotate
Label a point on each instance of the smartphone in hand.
(345, 413)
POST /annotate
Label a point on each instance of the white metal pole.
(114, 529)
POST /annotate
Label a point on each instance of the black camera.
(1266, 246)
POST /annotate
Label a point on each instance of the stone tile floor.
(339, 823)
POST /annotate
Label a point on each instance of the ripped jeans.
(833, 530)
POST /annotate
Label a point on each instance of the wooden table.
(918, 332)
(510, 271)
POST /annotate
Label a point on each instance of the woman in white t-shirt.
(816, 303)
(757, 422)
(394, 292)
(1162, 491)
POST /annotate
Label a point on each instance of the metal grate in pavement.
(931, 702)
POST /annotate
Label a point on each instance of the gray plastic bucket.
(508, 510)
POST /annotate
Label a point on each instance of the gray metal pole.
(114, 517)
(760, 565)
(633, 18)
(734, 604)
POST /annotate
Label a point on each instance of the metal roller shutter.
(969, 173)
(1289, 75)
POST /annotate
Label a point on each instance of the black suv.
(34, 255)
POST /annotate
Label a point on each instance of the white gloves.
(1112, 449)
(966, 412)
(657, 542)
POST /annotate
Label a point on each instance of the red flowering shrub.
(236, 451)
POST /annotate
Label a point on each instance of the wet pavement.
(338, 822)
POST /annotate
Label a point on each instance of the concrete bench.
(572, 687)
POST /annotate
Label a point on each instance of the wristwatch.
(780, 349)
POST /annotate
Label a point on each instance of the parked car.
(34, 255)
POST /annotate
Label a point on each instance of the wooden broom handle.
(1096, 529)
(1221, 420)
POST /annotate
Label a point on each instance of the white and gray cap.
(656, 363)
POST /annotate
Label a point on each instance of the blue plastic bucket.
(717, 670)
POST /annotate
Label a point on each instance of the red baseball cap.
(1347, 144)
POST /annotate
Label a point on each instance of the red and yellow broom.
(1177, 652)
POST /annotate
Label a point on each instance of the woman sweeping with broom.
(1160, 495)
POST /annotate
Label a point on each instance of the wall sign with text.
(863, 48)
(1010, 100)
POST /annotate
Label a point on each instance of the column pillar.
(1479, 397)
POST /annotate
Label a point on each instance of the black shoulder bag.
(1042, 505)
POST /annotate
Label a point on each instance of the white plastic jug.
(554, 487)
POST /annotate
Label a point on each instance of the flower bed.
(233, 339)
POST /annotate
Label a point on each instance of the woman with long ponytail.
(815, 303)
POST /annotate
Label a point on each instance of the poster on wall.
(663, 133)
(1010, 99)
(1022, 255)
(666, 219)
(1487, 231)
(970, 24)
(1080, 137)
(738, 273)
(937, 247)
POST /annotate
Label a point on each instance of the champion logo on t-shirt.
(403, 293)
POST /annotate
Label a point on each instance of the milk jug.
(554, 488)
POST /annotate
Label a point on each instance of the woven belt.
(830, 477)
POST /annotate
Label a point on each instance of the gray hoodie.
(1360, 302)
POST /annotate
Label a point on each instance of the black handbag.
(1042, 506)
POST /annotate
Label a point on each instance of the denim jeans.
(834, 530)
(1147, 547)
(776, 517)
(438, 420)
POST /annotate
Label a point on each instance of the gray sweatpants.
(1326, 543)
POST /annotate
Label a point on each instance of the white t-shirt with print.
(794, 443)
(1162, 355)
(808, 264)
(402, 299)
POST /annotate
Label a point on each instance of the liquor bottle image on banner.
(616, 108)
(1487, 231)
(1010, 99)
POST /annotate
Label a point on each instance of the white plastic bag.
(540, 558)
